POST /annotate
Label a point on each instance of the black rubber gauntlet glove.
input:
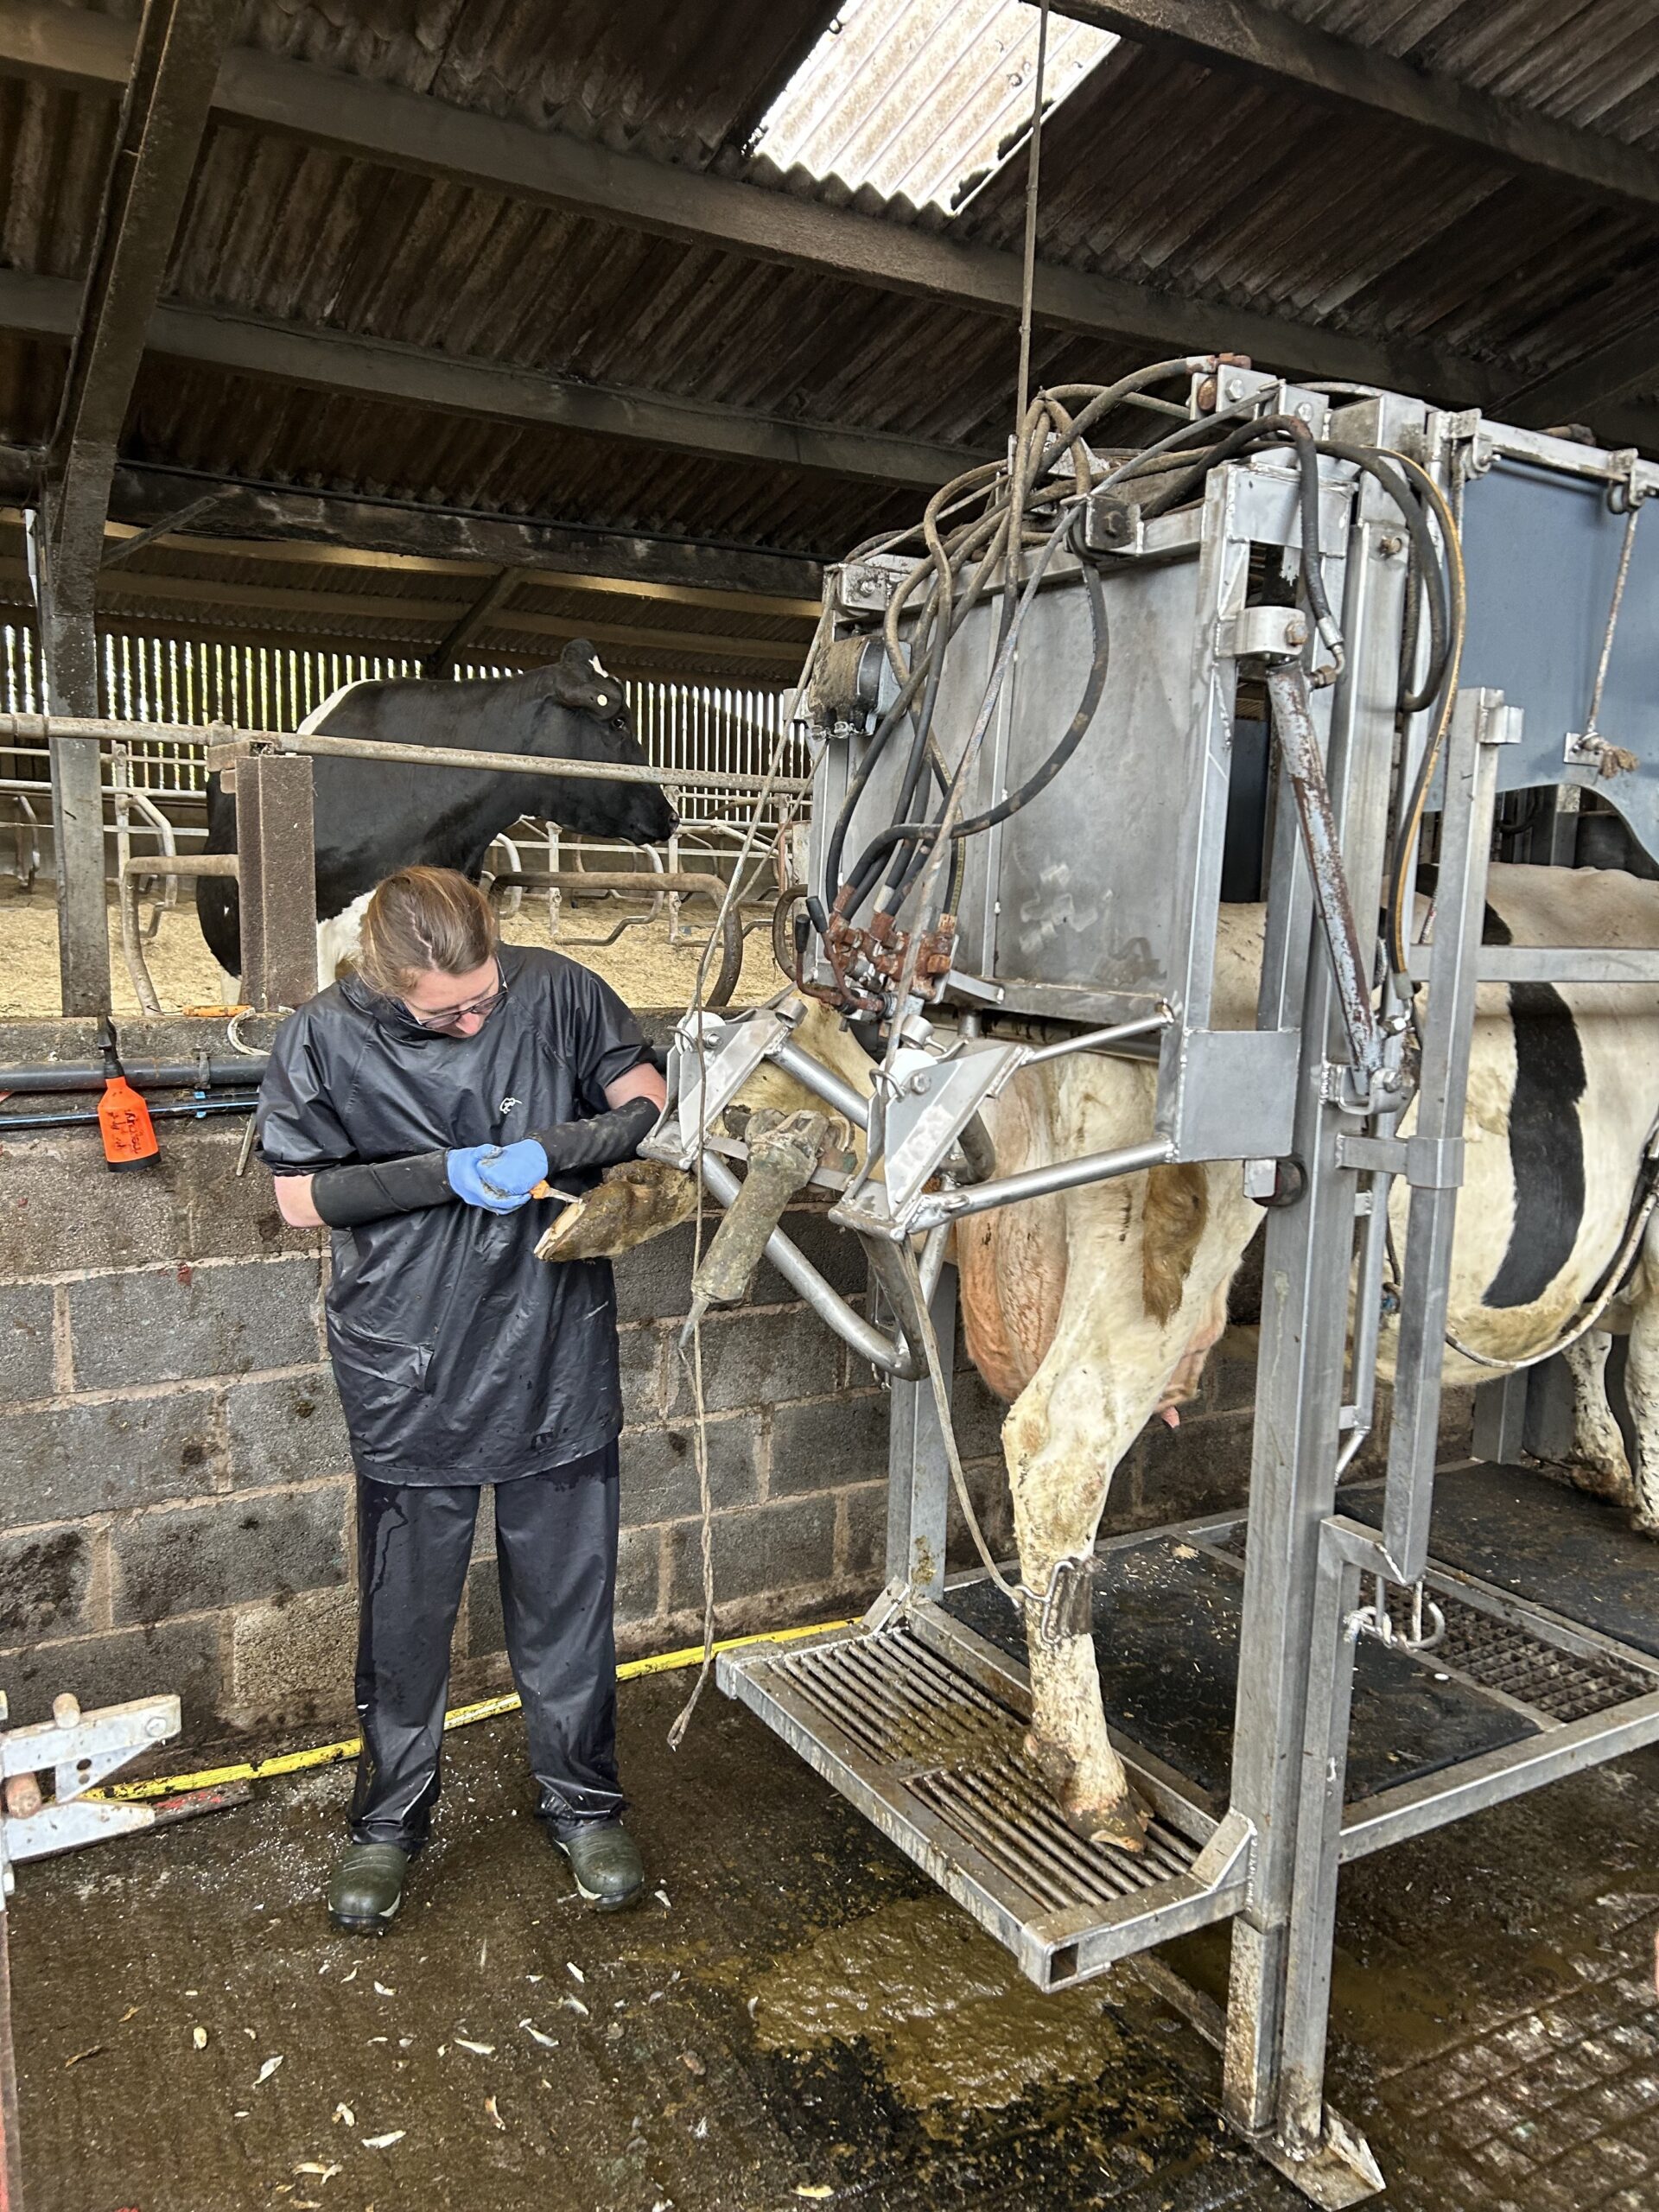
(600, 1142)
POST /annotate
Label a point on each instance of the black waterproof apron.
(459, 1357)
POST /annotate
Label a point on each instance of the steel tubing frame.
(93, 729)
(894, 1355)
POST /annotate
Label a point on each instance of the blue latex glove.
(499, 1179)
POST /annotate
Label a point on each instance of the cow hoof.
(1122, 1823)
(1604, 1480)
(1645, 1524)
(1099, 1814)
(637, 1200)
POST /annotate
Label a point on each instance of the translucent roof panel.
(923, 99)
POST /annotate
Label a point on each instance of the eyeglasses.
(483, 1008)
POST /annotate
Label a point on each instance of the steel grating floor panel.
(1545, 1542)
(938, 1764)
(1167, 1626)
(1502, 1656)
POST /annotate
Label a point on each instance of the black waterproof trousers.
(555, 1537)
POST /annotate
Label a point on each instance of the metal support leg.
(11, 2172)
(275, 846)
(69, 647)
(1341, 2172)
(919, 1474)
(1293, 1478)
(1501, 1419)
(1304, 1327)
(1480, 724)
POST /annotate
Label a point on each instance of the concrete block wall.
(175, 1499)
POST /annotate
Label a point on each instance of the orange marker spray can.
(123, 1119)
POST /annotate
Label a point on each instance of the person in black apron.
(413, 1107)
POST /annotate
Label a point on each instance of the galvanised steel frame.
(860, 1705)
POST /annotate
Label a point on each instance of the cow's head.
(583, 713)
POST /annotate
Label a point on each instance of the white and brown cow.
(1094, 1310)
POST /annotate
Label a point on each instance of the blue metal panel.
(1542, 552)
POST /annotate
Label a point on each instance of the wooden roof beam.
(375, 368)
(1587, 389)
(176, 60)
(1252, 39)
(285, 522)
(419, 617)
(467, 624)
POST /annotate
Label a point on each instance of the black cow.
(373, 817)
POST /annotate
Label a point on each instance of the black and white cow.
(374, 816)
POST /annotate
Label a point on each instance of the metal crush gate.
(1087, 920)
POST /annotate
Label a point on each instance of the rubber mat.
(1166, 1618)
(1529, 1533)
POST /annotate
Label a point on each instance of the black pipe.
(191, 1107)
(205, 1074)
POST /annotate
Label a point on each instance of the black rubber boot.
(605, 1861)
(366, 1887)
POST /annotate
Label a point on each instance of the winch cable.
(1014, 1592)
(1033, 171)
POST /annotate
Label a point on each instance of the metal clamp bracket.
(710, 1060)
(866, 587)
(1264, 633)
(1427, 1163)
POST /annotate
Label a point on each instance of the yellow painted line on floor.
(459, 1716)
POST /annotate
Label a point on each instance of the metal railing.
(727, 733)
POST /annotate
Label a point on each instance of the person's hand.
(498, 1178)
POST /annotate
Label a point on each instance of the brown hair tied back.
(420, 918)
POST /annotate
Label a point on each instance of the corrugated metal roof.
(1199, 182)
(1227, 188)
(1593, 62)
(676, 79)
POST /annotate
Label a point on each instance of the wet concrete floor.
(795, 2016)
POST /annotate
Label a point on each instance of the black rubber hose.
(969, 540)
(42, 1076)
(1427, 561)
(178, 1110)
(856, 789)
(1307, 460)
(1088, 705)
(1041, 777)
(1261, 429)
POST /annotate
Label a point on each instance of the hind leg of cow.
(1061, 1447)
(1597, 1460)
(1642, 1389)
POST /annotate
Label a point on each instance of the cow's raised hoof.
(638, 1199)
(1093, 1808)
